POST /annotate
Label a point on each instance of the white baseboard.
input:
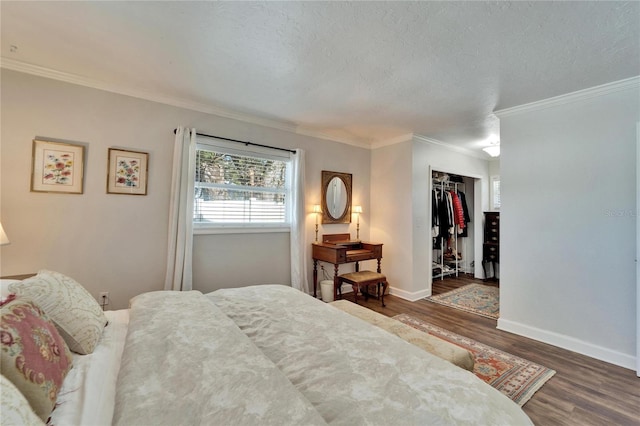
(569, 343)
(412, 297)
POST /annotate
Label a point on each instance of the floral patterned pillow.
(70, 306)
(34, 358)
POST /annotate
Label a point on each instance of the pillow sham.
(73, 310)
(15, 408)
(4, 288)
(34, 357)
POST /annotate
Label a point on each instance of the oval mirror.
(336, 197)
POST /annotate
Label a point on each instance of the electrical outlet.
(104, 298)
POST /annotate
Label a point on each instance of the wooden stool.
(361, 279)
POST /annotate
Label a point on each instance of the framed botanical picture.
(57, 167)
(127, 172)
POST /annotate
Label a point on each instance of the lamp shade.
(357, 209)
(317, 208)
(3, 236)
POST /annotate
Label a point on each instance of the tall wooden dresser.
(491, 246)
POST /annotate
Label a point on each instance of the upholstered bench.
(363, 279)
(441, 348)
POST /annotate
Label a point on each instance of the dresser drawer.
(492, 236)
(491, 252)
(493, 221)
(492, 227)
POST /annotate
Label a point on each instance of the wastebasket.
(326, 287)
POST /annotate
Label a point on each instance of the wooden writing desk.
(339, 249)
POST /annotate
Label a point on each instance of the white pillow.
(4, 288)
(15, 407)
(73, 310)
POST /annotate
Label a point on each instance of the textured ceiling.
(364, 72)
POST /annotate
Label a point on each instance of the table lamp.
(4, 240)
(317, 209)
(357, 210)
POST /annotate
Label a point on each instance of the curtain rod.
(244, 142)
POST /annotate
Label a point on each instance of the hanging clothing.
(465, 210)
(450, 214)
(438, 218)
(458, 214)
(435, 218)
(443, 216)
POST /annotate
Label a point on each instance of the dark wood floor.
(584, 391)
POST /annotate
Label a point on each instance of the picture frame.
(57, 167)
(127, 172)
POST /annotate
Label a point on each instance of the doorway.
(455, 255)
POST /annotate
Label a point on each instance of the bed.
(267, 355)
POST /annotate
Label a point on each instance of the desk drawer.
(358, 255)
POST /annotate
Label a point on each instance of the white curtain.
(179, 257)
(298, 218)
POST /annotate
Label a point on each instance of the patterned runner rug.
(475, 298)
(515, 377)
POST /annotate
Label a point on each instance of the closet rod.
(446, 185)
(244, 142)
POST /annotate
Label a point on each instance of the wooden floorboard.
(584, 391)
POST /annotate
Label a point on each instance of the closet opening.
(455, 203)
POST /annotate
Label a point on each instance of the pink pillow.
(35, 358)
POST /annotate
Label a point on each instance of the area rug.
(515, 377)
(475, 298)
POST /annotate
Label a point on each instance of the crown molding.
(592, 92)
(451, 147)
(392, 141)
(302, 130)
(13, 65)
(291, 127)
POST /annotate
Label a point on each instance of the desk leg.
(357, 266)
(379, 269)
(315, 277)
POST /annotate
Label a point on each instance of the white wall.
(118, 243)
(429, 156)
(391, 213)
(494, 167)
(638, 249)
(568, 223)
(494, 170)
(401, 206)
(468, 243)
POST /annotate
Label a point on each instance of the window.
(240, 189)
(495, 192)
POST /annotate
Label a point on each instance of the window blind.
(232, 188)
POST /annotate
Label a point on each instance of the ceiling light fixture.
(493, 149)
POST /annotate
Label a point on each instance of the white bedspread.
(87, 396)
(354, 373)
(186, 363)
